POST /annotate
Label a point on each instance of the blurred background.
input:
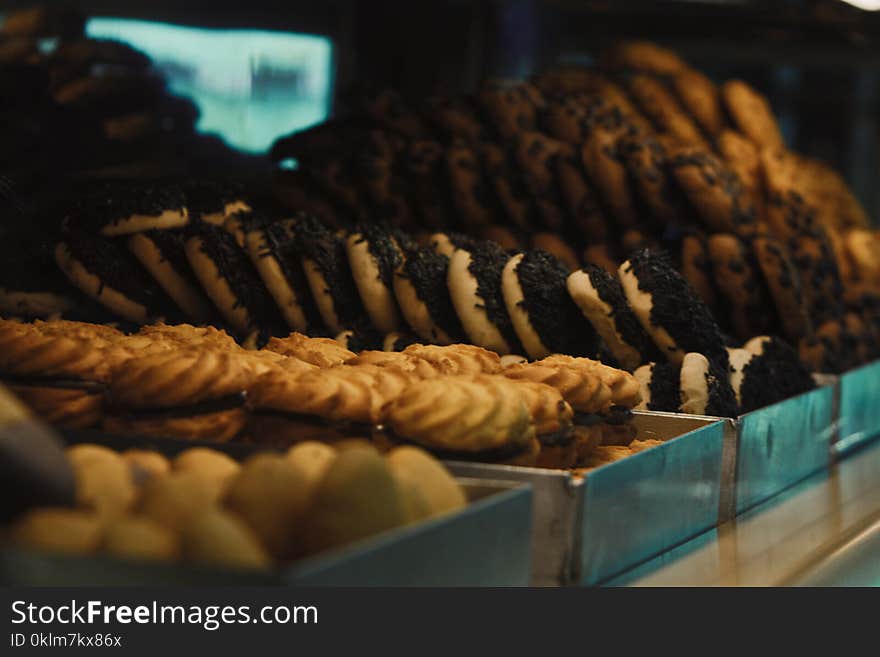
(259, 69)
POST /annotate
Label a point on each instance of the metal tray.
(588, 529)
(783, 443)
(485, 544)
(859, 407)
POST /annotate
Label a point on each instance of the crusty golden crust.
(177, 378)
(624, 387)
(412, 365)
(583, 390)
(185, 335)
(220, 426)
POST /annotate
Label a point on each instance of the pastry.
(457, 358)
(217, 537)
(669, 310)
(537, 155)
(700, 97)
(139, 539)
(162, 254)
(122, 209)
(107, 274)
(542, 312)
(705, 388)
(555, 245)
(230, 281)
(583, 389)
(427, 488)
(660, 387)
(277, 525)
(68, 531)
(784, 285)
(775, 372)
(185, 393)
(474, 280)
(600, 298)
(696, 268)
(472, 194)
(328, 273)
(322, 352)
(660, 105)
(274, 255)
(374, 256)
(750, 113)
(604, 165)
(458, 417)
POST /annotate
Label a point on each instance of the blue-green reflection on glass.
(251, 86)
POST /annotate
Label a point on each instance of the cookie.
(512, 107)
(214, 201)
(474, 280)
(386, 189)
(696, 268)
(645, 159)
(229, 279)
(509, 183)
(773, 373)
(600, 298)
(660, 387)
(580, 199)
(446, 243)
(422, 293)
(601, 256)
(554, 244)
(374, 256)
(701, 98)
(603, 163)
(272, 251)
(714, 191)
(122, 208)
(543, 314)
(669, 309)
(328, 273)
(750, 113)
(108, 274)
(456, 116)
(472, 194)
(642, 56)
(425, 167)
(784, 285)
(163, 255)
(537, 155)
(705, 388)
(744, 159)
(663, 109)
(741, 284)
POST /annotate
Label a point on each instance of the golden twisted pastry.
(322, 352)
(457, 358)
(25, 352)
(185, 335)
(459, 413)
(177, 378)
(583, 390)
(418, 368)
(550, 413)
(625, 390)
(101, 334)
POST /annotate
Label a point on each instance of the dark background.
(817, 60)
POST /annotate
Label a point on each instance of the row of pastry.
(458, 401)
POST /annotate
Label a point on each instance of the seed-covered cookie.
(751, 114)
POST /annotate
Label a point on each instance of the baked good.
(511, 107)
(107, 274)
(472, 194)
(701, 98)
(558, 247)
(537, 155)
(177, 500)
(646, 159)
(660, 105)
(750, 113)
(457, 358)
(328, 273)
(642, 56)
(139, 539)
(427, 488)
(600, 155)
(542, 312)
(52, 529)
(582, 388)
(163, 255)
(121, 209)
(669, 310)
(229, 279)
(474, 280)
(273, 253)
(185, 393)
(705, 388)
(509, 184)
(580, 199)
(775, 372)
(659, 386)
(696, 268)
(217, 537)
(447, 243)
(374, 256)
(600, 298)
(784, 285)
(322, 352)
(459, 417)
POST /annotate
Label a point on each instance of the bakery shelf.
(859, 407)
(586, 529)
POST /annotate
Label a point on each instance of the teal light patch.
(251, 86)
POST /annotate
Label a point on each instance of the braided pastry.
(416, 367)
(322, 352)
(457, 358)
(177, 378)
(25, 352)
(461, 415)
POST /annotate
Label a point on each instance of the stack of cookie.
(642, 150)
(203, 507)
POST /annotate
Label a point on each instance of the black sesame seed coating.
(676, 307)
(404, 341)
(665, 387)
(171, 246)
(109, 203)
(237, 270)
(364, 337)
(426, 270)
(722, 399)
(627, 324)
(776, 374)
(210, 196)
(487, 263)
(116, 268)
(558, 321)
(322, 246)
(383, 248)
(278, 239)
